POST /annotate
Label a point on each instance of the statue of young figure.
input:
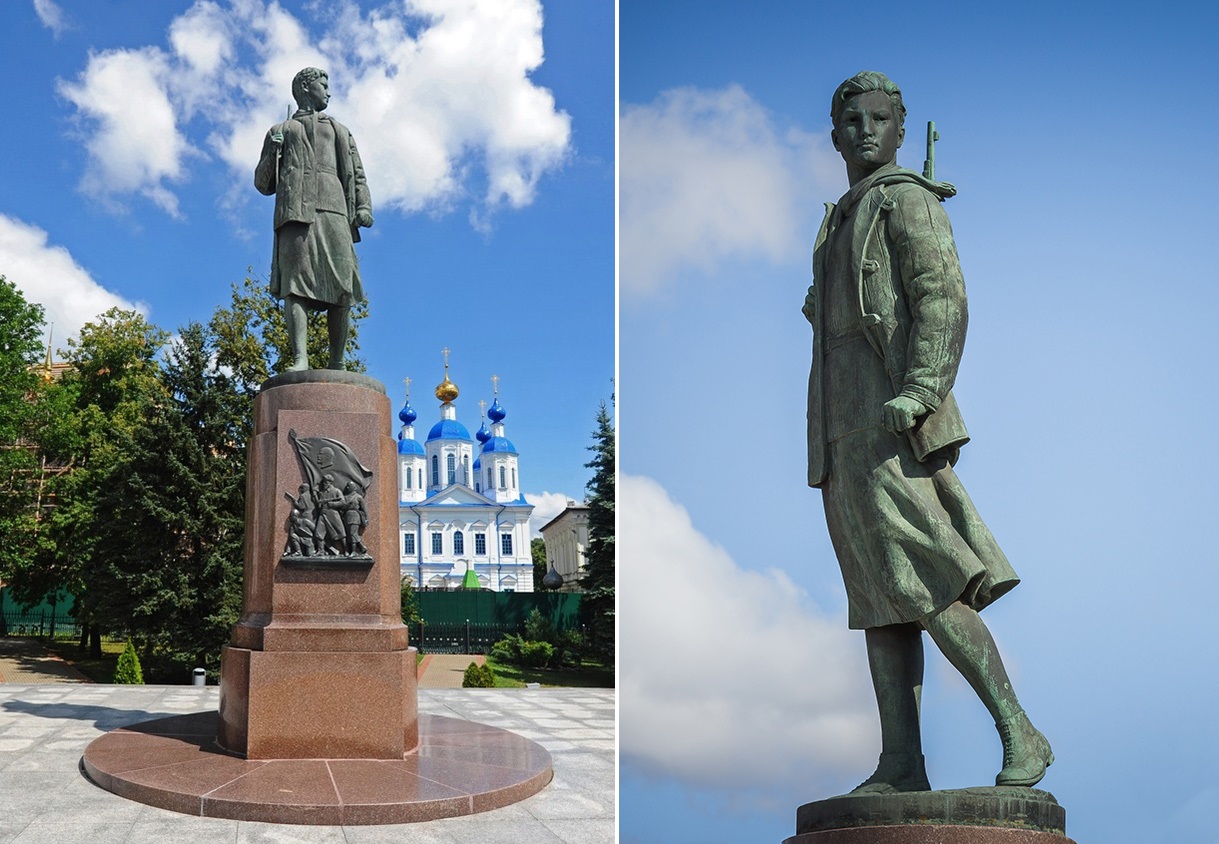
(311, 165)
(888, 311)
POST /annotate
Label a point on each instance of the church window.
(480, 544)
(437, 543)
(459, 542)
(514, 477)
(505, 543)
(408, 544)
(465, 469)
(421, 478)
(451, 466)
(435, 470)
(410, 476)
(490, 481)
(502, 484)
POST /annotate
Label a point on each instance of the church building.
(460, 504)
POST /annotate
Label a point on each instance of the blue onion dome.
(483, 434)
(448, 429)
(478, 464)
(499, 445)
(407, 414)
(409, 445)
(496, 411)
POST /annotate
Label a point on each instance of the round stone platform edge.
(1021, 808)
(459, 768)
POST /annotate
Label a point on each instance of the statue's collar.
(306, 112)
(888, 175)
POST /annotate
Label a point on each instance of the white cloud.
(132, 149)
(730, 677)
(48, 275)
(437, 93)
(707, 176)
(546, 505)
(52, 17)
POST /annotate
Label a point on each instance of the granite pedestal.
(985, 815)
(318, 711)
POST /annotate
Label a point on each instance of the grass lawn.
(588, 674)
(97, 670)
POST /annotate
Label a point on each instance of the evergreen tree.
(170, 552)
(537, 549)
(597, 606)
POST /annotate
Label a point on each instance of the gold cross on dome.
(445, 352)
(407, 382)
(495, 384)
(482, 408)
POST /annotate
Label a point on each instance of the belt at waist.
(836, 340)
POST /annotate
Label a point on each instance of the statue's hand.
(810, 307)
(277, 135)
(364, 219)
(899, 413)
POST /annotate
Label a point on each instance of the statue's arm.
(935, 295)
(265, 173)
(363, 200)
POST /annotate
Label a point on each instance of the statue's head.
(350, 488)
(869, 118)
(311, 88)
(862, 83)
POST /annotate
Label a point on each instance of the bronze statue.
(329, 533)
(355, 518)
(888, 311)
(300, 524)
(311, 164)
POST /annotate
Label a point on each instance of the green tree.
(127, 670)
(252, 341)
(537, 547)
(597, 606)
(410, 604)
(21, 325)
(168, 556)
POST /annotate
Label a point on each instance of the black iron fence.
(458, 638)
(46, 624)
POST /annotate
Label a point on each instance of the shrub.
(536, 654)
(539, 628)
(478, 677)
(128, 668)
(507, 649)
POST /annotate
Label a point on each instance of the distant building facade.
(460, 504)
(566, 538)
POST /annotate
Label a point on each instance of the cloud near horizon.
(49, 275)
(708, 176)
(546, 505)
(731, 678)
(438, 94)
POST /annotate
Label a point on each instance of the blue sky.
(487, 133)
(1079, 136)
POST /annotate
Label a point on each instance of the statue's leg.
(895, 657)
(296, 322)
(962, 636)
(338, 322)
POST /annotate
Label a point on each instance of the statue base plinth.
(984, 815)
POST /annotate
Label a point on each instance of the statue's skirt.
(908, 538)
(317, 262)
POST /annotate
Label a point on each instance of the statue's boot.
(896, 772)
(1026, 753)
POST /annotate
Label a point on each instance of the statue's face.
(869, 132)
(318, 93)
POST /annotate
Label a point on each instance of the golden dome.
(446, 390)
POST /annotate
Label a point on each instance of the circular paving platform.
(460, 768)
